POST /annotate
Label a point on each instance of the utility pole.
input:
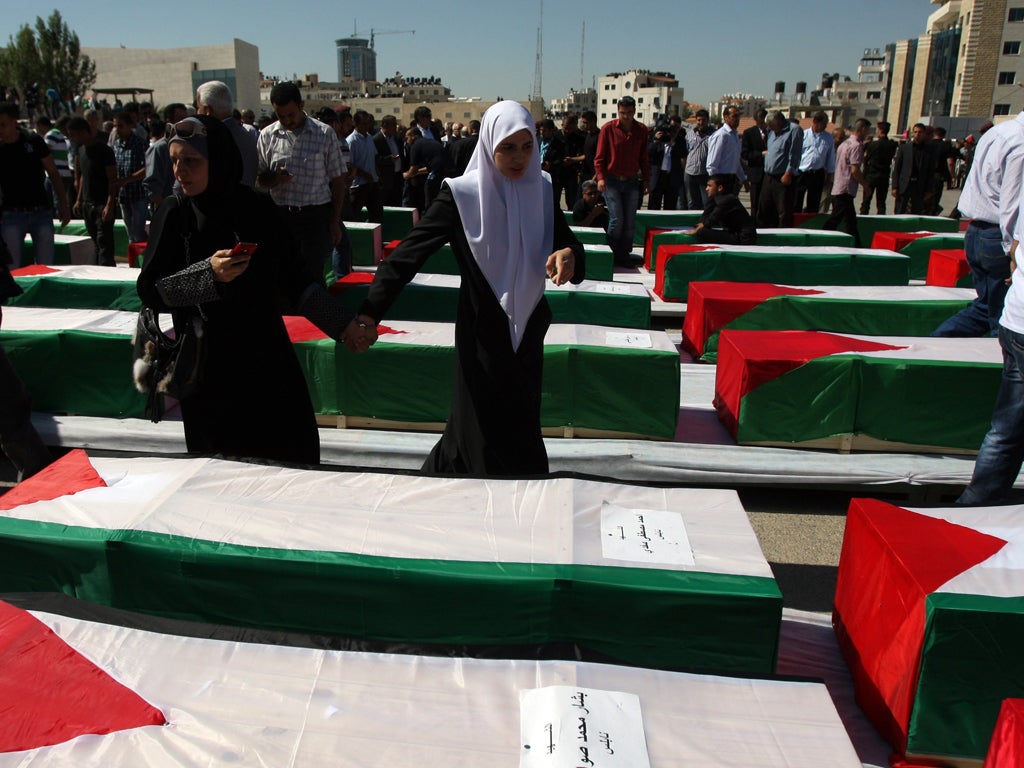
(538, 69)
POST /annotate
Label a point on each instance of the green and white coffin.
(600, 262)
(929, 612)
(789, 265)
(434, 298)
(77, 228)
(850, 392)
(649, 576)
(789, 237)
(241, 702)
(589, 235)
(870, 310)
(596, 379)
(646, 219)
(396, 223)
(67, 249)
(869, 225)
(77, 287)
(367, 243)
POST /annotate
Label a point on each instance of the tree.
(65, 68)
(49, 55)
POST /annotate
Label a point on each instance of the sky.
(489, 49)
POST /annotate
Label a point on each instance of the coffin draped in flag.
(929, 611)
(866, 310)
(849, 392)
(661, 577)
(244, 701)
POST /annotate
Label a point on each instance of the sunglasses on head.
(186, 129)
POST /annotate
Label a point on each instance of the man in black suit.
(753, 145)
(390, 160)
(463, 149)
(912, 172)
(667, 168)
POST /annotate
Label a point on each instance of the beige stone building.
(657, 94)
(174, 73)
(968, 64)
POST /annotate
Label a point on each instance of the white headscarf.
(509, 223)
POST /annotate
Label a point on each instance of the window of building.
(1016, 14)
(447, 115)
(874, 95)
(604, 101)
(1007, 78)
(378, 110)
(1001, 109)
(640, 100)
(1011, 48)
(839, 94)
(466, 115)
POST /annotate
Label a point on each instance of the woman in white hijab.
(508, 237)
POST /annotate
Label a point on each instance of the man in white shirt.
(725, 149)
(991, 199)
(817, 164)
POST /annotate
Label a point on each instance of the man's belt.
(619, 178)
(297, 209)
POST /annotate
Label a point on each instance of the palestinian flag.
(868, 310)
(77, 229)
(600, 262)
(660, 577)
(929, 612)
(766, 237)
(596, 380)
(77, 287)
(789, 265)
(849, 392)
(67, 249)
(1006, 749)
(918, 246)
(116, 689)
(434, 298)
(646, 220)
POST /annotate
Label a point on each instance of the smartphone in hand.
(244, 249)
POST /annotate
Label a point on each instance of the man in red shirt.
(621, 171)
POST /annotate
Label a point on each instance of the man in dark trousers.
(753, 145)
(848, 177)
(725, 220)
(912, 173)
(878, 155)
(96, 182)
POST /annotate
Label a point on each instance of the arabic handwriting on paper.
(585, 756)
(606, 741)
(581, 729)
(579, 700)
(549, 730)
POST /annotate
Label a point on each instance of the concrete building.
(657, 94)
(175, 73)
(576, 102)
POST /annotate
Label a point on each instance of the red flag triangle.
(50, 693)
(70, 474)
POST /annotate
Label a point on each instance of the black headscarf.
(225, 172)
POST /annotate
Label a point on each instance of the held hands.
(360, 334)
(560, 266)
(227, 267)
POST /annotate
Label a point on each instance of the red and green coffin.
(949, 267)
(870, 310)
(600, 262)
(254, 704)
(788, 265)
(918, 246)
(929, 612)
(886, 393)
(657, 577)
(788, 237)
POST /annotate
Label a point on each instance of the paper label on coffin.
(644, 536)
(638, 340)
(52, 694)
(569, 727)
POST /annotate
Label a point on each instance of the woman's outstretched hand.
(561, 266)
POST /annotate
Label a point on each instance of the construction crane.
(375, 32)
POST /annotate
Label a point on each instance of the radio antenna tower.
(583, 41)
(538, 76)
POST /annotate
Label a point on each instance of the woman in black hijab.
(253, 400)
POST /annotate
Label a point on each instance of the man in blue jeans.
(25, 161)
(130, 155)
(1002, 451)
(991, 199)
(622, 174)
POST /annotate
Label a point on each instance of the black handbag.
(164, 365)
